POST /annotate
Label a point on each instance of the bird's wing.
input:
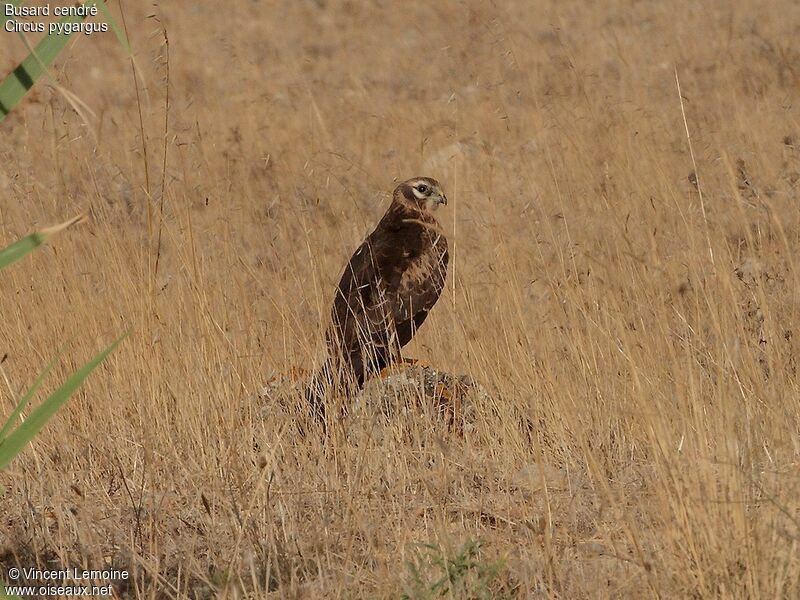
(419, 287)
(361, 307)
(385, 293)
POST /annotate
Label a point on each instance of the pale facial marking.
(421, 189)
(425, 193)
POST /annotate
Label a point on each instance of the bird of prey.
(386, 291)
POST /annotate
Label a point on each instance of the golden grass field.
(630, 306)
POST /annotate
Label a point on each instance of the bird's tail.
(320, 383)
(337, 375)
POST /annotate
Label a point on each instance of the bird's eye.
(422, 188)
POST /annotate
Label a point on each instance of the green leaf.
(23, 434)
(14, 87)
(27, 244)
(3, 12)
(25, 399)
(4, 593)
(123, 40)
(17, 250)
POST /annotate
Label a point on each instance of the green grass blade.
(25, 400)
(4, 593)
(3, 12)
(14, 87)
(23, 434)
(17, 250)
(114, 27)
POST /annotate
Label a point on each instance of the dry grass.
(642, 432)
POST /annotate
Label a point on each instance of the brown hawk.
(386, 291)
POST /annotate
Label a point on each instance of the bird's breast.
(427, 264)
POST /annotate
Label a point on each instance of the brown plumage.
(387, 289)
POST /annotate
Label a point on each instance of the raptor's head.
(422, 193)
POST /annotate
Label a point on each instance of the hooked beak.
(441, 198)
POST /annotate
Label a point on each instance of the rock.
(397, 390)
(750, 269)
(531, 477)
